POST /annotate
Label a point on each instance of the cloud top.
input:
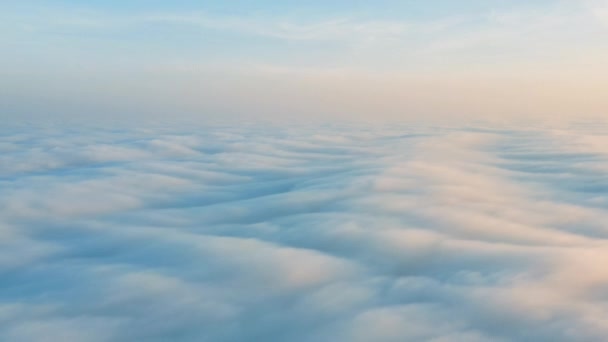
(318, 233)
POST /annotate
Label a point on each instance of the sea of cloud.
(304, 233)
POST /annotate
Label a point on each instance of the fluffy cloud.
(324, 233)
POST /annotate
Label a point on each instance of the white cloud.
(317, 233)
(598, 8)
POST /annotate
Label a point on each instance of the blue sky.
(72, 56)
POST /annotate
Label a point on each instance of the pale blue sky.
(210, 58)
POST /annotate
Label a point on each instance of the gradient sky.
(292, 59)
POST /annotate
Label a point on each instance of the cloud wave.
(318, 233)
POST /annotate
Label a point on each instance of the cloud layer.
(308, 233)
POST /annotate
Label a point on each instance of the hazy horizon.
(340, 59)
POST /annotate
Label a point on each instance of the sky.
(303, 59)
